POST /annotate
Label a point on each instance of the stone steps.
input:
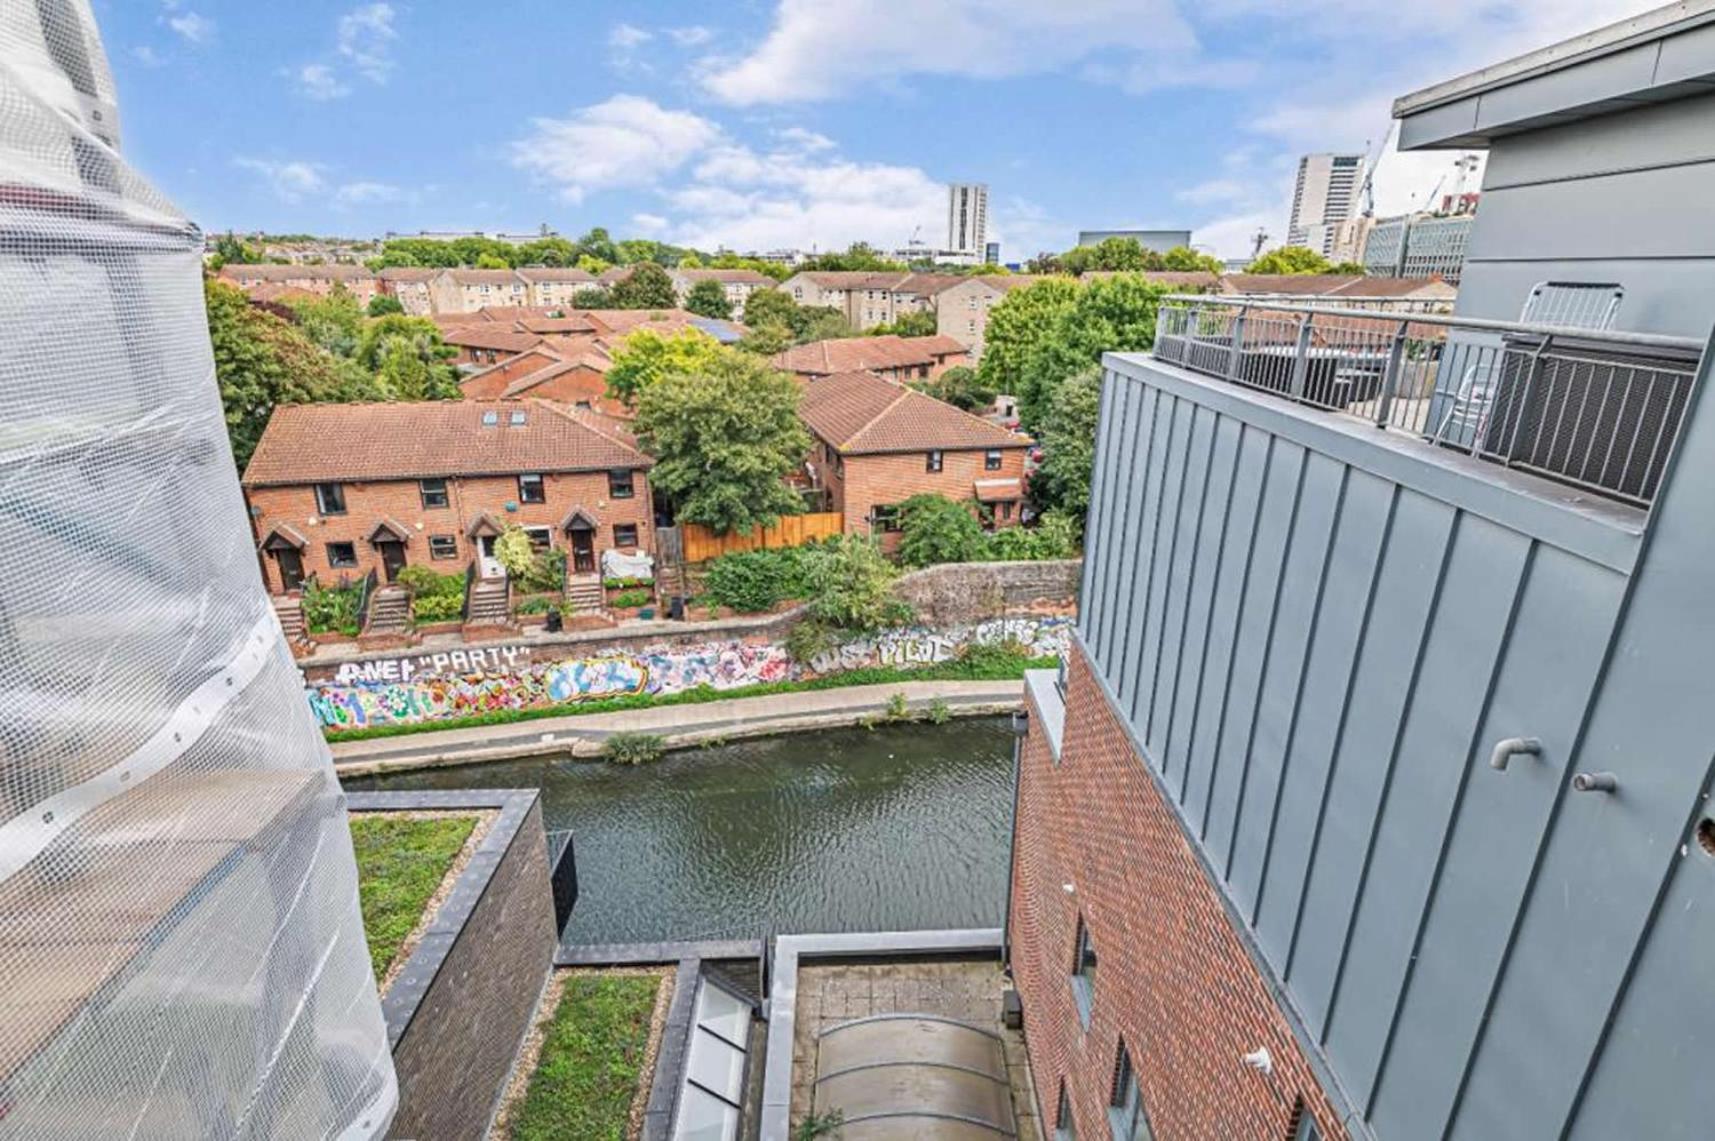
(290, 611)
(586, 594)
(389, 612)
(488, 603)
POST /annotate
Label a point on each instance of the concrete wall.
(1621, 198)
(1318, 634)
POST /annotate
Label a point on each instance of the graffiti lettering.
(459, 683)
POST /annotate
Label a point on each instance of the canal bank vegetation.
(1003, 661)
(628, 748)
(401, 862)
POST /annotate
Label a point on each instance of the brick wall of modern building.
(887, 479)
(1173, 978)
(402, 502)
(457, 1053)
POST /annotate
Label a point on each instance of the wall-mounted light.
(1260, 1059)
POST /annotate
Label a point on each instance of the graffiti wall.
(440, 686)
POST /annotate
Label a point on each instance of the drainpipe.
(1020, 729)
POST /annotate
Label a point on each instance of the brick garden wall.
(457, 1053)
(1173, 978)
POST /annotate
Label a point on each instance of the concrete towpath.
(680, 725)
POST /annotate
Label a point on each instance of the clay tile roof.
(484, 276)
(860, 413)
(849, 354)
(556, 273)
(499, 337)
(359, 443)
(385, 525)
(295, 273)
(929, 284)
(406, 273)
(727, 276)
(997, 490)
(282, 535)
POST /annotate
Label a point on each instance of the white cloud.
(1214, 190)
(817, 50)
(367, 193)
(192, 27)
(804, 139)
(692, 36)
(626, 141)
(148, 56)
(627, 36)
(365, 37)
(291, 181)
(649, 224)
(363, 46)
(318, 81)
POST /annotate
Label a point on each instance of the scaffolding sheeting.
(181, 953)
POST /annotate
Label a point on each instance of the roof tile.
(325, 443)
(861, 413)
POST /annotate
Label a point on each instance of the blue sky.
(768, 123)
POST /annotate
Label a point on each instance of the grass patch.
(591, 1057)
(988, 666)
(400, 862)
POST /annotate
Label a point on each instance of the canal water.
(898, 828)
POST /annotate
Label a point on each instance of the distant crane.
(1258, 241)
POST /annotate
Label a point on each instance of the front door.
(392, 558)
(291, 566)
(490, 567)
(583, 550)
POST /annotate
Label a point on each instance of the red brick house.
(891, 357)
(568, 370)
(878, 443)
(338, 490)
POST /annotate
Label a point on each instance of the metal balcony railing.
(1597, 409)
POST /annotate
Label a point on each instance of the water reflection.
(899, 828)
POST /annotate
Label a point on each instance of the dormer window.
(490, 419)
(517, 419)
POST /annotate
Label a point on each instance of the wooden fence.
(701, 544)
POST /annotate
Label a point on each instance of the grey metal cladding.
(1317, 639)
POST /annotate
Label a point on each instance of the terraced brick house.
(340, 490)
(890, 357)
(877, 443)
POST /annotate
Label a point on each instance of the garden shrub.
(537, 605)
(808, 637)
(624, 583)
(329, 609)
(633, 748)
(851, 586)
(753, 581)
(629, 598)
(437, 607)
(935, 529)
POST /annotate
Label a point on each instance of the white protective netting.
(181, 953)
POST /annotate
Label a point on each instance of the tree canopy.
(858, 256)
(383, 304)
(1124, 255)
(261, 360)
(1299, 259)
(646, 287)
(709, 299)
(724, 438)
(961, 386)
(921, 323)
(647, 355)
(1115, 314)
(1068, 436)
(1022, 318)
